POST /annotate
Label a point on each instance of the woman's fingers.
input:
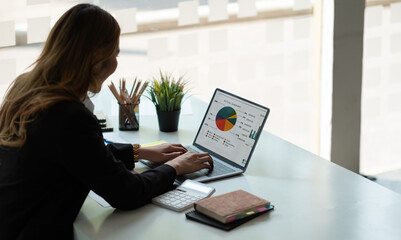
(204, 154)
(205, 157)
(177, 148)
(191, 162)
(208, 166)
(171, 155)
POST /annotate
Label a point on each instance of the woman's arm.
(79, 150)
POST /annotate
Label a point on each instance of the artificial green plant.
(166, 92)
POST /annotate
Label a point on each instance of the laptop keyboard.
(218, 169)
(189, 148)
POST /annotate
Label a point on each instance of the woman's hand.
(161, 153)
(191, 162)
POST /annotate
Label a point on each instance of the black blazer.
(44, 183)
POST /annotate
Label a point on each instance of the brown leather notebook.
(199, 217)
(231, 206)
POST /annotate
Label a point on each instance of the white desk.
(313, 198)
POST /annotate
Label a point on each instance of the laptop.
(229, 132)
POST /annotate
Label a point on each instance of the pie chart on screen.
(226, 118)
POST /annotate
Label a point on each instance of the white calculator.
(184, 196)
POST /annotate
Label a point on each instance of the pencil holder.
(128, 117)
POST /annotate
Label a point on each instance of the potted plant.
(167, 95)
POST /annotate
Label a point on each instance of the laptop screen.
(231, 127)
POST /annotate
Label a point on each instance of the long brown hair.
(85, 36)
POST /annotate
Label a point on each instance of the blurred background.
(274, 52)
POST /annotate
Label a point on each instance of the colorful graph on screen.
(226, 118)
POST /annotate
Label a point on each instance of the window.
(263, 50)
(381, 89)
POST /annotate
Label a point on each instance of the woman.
(51, 148)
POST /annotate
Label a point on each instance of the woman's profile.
(52, 151)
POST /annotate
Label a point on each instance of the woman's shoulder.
(66, 113)
(67, 108)
(63, 120)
